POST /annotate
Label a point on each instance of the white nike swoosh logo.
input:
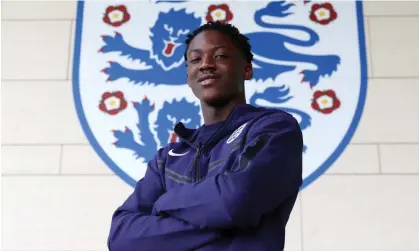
(171, 153)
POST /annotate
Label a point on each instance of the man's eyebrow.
(193, 51)
(214, 48)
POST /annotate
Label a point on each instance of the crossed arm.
(134, 227)
(269, 167)
(267, 173)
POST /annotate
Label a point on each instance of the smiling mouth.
(208, 78)
(208, 82)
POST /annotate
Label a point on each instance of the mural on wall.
(130, 76)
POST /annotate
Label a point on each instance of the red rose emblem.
(219, 12)
(116, 15)
(325, 101)
(113, 102)
(323, 13)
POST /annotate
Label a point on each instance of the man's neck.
(214, 115)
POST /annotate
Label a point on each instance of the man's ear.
(248, 71)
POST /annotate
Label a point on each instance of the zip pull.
(196, 159)
(195, 165)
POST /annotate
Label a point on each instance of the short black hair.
(240, 41)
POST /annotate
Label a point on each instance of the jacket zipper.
(195, 165)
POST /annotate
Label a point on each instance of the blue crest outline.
(307, 181)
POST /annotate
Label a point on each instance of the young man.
(230, 184)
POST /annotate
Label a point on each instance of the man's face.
(216, 69)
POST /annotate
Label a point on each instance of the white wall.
(58, 195)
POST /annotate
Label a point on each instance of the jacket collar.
(238, 116)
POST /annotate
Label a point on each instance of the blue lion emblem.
(325, 64)
(130, 84)
(168, 117)
(165, 66)
(165, 62)
(169, 33)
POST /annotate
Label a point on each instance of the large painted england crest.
(130, 84)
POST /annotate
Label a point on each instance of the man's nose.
(207, 63)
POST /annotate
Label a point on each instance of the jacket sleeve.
(134, 227)
(267, 172)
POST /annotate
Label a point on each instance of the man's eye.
(221, 56)
(194, 60)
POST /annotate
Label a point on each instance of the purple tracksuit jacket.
(227, 186)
